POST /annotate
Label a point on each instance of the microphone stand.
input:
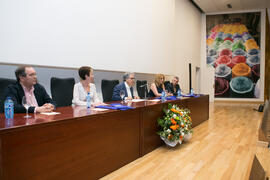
(145, 89)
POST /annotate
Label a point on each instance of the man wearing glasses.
(173, 87)
(126, 86)
(35, 94)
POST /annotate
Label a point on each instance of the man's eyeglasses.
(31, 75)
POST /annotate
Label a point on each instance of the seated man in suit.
(26, 85)
(173, 87)
(127, 86)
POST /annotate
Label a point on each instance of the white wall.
(147, 36)
(119, 35)
(163, 36)
(208, 72)
(188, 45)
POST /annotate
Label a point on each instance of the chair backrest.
(107, 89)
(166, 83)
(142, 91)
(62, 91)
(3, 84)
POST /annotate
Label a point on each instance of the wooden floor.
(221, 148)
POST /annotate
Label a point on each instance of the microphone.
(143, 85)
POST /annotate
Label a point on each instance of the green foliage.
(175, 123)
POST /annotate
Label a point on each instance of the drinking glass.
(122, 95)
(26, 105)
(166, 93)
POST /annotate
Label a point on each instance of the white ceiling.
(214, 6)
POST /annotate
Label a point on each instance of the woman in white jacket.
(82, 88)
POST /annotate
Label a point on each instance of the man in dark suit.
(173, 87)
(26, 85)
(126, 86)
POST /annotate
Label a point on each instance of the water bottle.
(9, 108)
(88, 100)
(9, 122)
(179, 93)
(191, 91)
(163, 96)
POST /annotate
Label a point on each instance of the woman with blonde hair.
(85, 86)
(157, 87)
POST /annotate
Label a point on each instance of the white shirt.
(79, 94)
(128, 90)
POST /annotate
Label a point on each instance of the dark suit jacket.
(16, 92)
(116, 92)
(170, 89)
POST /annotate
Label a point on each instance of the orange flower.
(182, 125)
(173, 121)
(175, 111)
(174, 127)
(181, 136)
(170, 136)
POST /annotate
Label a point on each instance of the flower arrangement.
(175, 125)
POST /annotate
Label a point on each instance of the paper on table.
(137, 100)
(154, 100)
(100, 109)
(50, 113)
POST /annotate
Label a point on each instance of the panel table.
(81, 143)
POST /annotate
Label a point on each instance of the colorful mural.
(233, 49)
